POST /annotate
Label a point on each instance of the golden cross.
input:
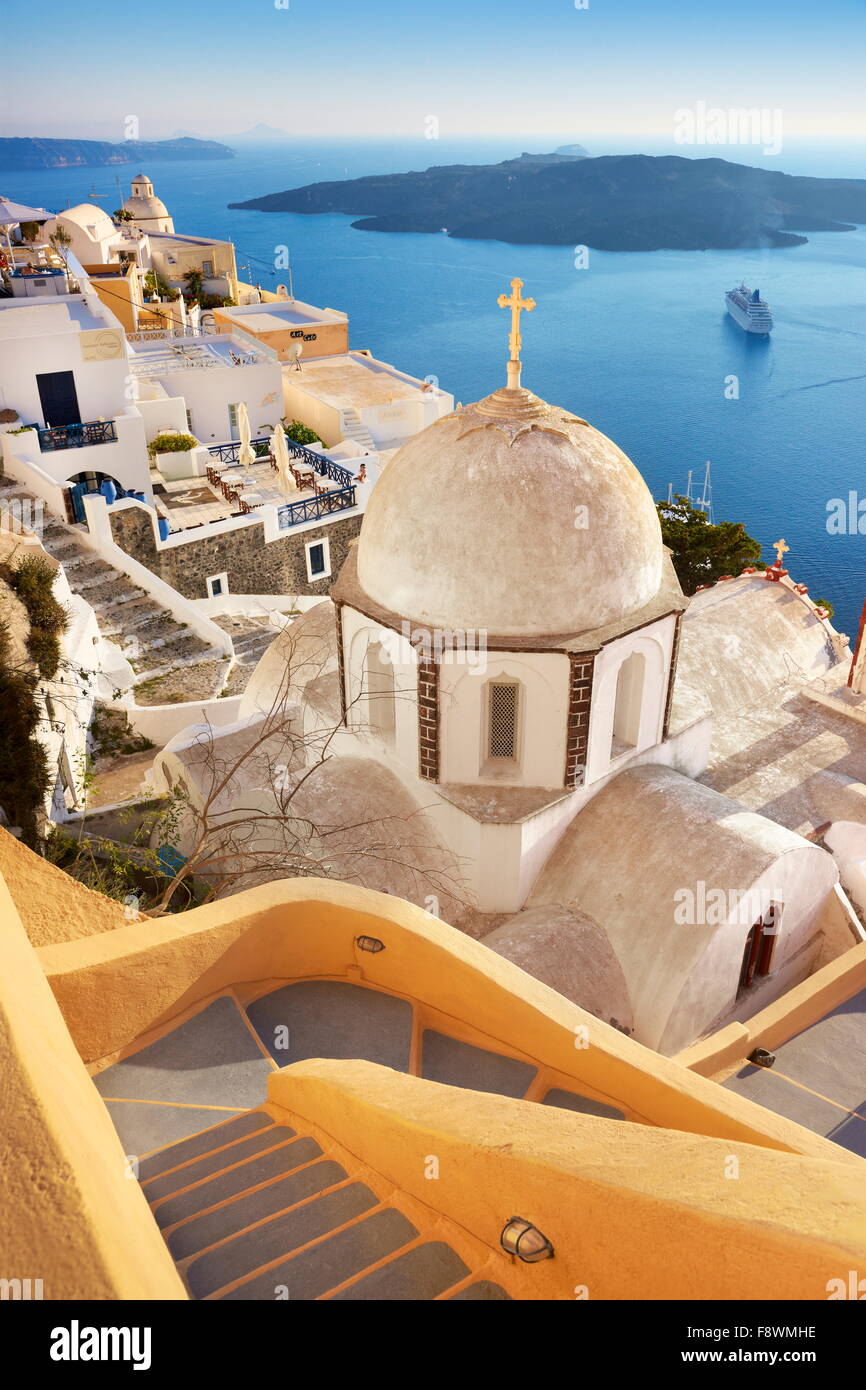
(781, 548)
(514, 302)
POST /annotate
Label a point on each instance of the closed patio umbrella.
(280, 451)
(246, 456)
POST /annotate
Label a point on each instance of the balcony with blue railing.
(314, 508)
(320, 502)
(325, 467)
(76, 436)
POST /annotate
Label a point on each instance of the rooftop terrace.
(31, 318)
(325, 485)
(159, 357)
(271, 317)
(357, 380)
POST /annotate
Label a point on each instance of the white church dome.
(143, 204)
(513, 516)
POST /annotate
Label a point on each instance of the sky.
(385, 67)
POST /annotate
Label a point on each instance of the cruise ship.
(749, 310)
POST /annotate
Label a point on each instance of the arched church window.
(503, 708)
(628, 704)
(381, 705)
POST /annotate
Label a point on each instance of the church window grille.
(502, 721)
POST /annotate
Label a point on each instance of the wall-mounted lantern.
(369, 943)
(524, 1240)
(761, 1057)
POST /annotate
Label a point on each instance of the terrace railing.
(76, 436)
(314, 508)
(325, 467)
(230, 452)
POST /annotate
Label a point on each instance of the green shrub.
(301, 433)
(33, 582)
(167, 443)
(24, 777)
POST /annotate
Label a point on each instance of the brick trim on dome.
(341, 660)
(428, 720)
(580, 676)
(672, 675)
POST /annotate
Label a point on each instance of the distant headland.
(612, 202)
(37, 153)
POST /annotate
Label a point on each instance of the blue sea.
(639, 344)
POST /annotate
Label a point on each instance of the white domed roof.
(144, 207)
(91, 219)
(513, 516)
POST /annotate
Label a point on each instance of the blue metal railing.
(313, 508)
(76, 436)
(326, 468)
(229, 453)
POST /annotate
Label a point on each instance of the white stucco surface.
(652, 834)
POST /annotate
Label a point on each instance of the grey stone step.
(153, 629)
(484, 1290)
(200, 1232)
(113, 598)
(170, 666)
(247, 1252)
(252, 643)
(421, 1273)
(129, 617)
(60, 544)
(161, 634)
(572, 1100)
(101, 588)
(202, 1169)
(329, 1018)
(216, 1137)
(210, 1059)
(80, 569)
(258, 1169)
(456, 1063)
(176, 649)
(316, 1271)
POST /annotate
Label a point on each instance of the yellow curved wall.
(155, 971)
(72, 1216)
(632, 1213)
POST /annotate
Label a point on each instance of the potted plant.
(172, 453)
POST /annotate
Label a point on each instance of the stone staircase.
(153, 641)
(252, 1210)
(251, 637)
(354, 428)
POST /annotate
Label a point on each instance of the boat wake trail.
(817, 385)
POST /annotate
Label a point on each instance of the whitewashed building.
(497, 663)
(64, 371)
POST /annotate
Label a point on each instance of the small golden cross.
(781, 548)
(514, 302)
